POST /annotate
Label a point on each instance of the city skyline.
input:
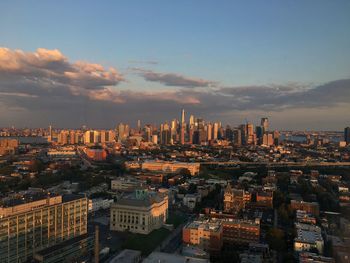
(120, 63)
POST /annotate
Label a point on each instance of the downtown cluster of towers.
(198, 131)
(181, 132)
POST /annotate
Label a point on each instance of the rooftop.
(206, 224)
(25, 197)
(159, 257)
(308, 233)
(126, 256)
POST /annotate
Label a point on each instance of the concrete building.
(206, 234)
(36, 220)
(140, 212)
(170, 167)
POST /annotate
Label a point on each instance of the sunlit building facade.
(28, 227)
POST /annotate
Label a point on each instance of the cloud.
(146, 62)
(41, 87)
(47, 70)
(172, 79)
(277, 97)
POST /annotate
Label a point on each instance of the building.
(96, 153)
(237, 137)
(265, 124)
(307, 257)
(71, 250)
(241, 231)
(308, 237)
(170, 167)
(264, 199)
(125, 184)
(347, 135)
(205, 233)
(160, 257)
(8, 146)
(267, 139)
(37, 220)
(309, 207)
(190, 200)
(235, 199)
(151, 178)
(304, 217)
(99, 203)
(140, 212)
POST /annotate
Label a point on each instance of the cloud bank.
(42, 87)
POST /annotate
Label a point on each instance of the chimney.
(97, 246)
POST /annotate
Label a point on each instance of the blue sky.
(234, 43)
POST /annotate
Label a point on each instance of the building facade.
(141, 212)
(170, 167)
(206, 234)
(241, 232)
(235, 199)
(32, 226)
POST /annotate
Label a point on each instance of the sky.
(70, 63)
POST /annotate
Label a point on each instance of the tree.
(276, 240)
(37, 166)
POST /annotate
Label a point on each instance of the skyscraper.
(192, 120)
(347, 135)
(183, 116)
(215, 130)
(265, 124)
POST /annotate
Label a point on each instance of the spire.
(182, 116)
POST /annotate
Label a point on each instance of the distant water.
(294, 138)
(28, 140)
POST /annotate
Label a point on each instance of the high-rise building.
(192, 120)
(267, 139)
(49, 139)
(215, 130)
(259, 131)
(228, 133)
(265, 124)
(138, 125)
(165, 134)
(209, 131)
(62, 137)
(183, 116)
(347, 135)
(37, 220)
(237, 137)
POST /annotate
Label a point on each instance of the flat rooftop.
(126, 256)
(159, 257)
